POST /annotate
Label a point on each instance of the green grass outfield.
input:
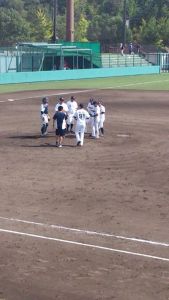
(138, 82)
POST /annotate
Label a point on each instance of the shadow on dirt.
(48, 146)
(27, 137)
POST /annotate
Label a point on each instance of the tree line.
(147, 21)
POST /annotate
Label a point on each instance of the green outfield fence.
(33, 62)
(31, 57)
(31, 77)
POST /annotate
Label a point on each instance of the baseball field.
(92, 222)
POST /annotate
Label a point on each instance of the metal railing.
(14, 61)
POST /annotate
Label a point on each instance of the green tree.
(164, 30)
(42, 27)
(149, 33)
(13, 26)
(81, 32)
(95, 20)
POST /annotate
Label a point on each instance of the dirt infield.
(85, 223)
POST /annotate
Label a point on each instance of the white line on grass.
(39, 96)
(88, 232)
(136, 83)
(85, 245)
(83, 91)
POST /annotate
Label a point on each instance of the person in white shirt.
(81, 115)
(72, 108)
(95, 120)
(90, 109)
(102, 117)
(61, 103)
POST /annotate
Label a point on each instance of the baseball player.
(95, 120)
(81, 115)
(61, 103)
(90, 109)
(102, 117)
(45, 118)
(59, 122)
(72, 108)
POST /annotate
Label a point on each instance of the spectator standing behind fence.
(131, 49)
(138, 48)
(122, 49)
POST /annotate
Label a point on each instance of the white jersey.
(96, 113)
(44, 108)
(90, 108)
(44, 113)
(102, 112)
(64, 105)
(72, 107)
(81, 115)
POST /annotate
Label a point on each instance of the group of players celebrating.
(70, 114)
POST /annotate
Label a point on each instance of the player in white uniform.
(90, 109)
(95, 120)
(61, 103)
(72, 108)
(81, 115)
(102, 117)
(44, 116)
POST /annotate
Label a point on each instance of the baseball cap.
(61, 99)
(45, 99)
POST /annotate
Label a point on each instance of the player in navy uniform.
(59, 121)
(44, 116)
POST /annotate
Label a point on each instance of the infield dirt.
(117, 185)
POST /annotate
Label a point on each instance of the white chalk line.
(123, 135)
(136, 83)
(83, 91)
(85, 245)
(39, 96)
(103, 234)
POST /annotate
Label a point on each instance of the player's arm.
(75, 116)
(54, 118)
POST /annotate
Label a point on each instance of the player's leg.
(60, 141)
(46, 129)
(71, 127)
(71, 123)
(77, 134)
(57, 137)
(93, 128)
(45, 125)
(101, 128)
(82, 131)
(43, 128)
(67, 124)
(96, 129)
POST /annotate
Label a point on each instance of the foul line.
(88, 232)
(39, 96)
(85, 245)
(82, 91)
(137, 83)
